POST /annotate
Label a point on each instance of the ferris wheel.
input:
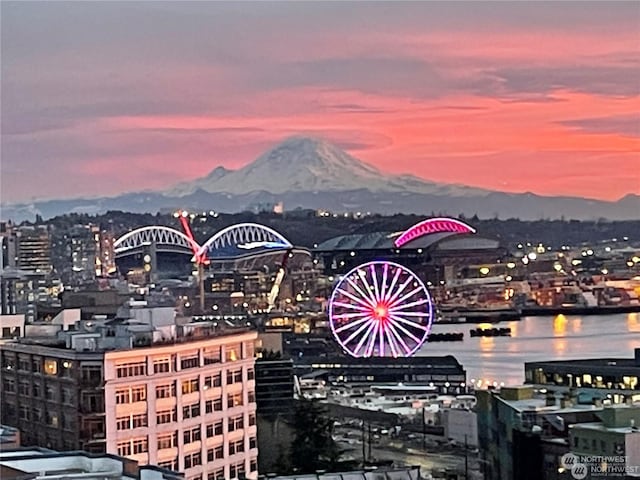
(380, 309)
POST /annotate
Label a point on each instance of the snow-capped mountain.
(304, 164)
(311, 173)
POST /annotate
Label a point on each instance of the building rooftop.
(601, 363)
(124, 334)
(385, 241)
(400, 473)
(600, 427)
(28, 463)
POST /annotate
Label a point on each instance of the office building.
(611, 446)
(523, 435)
(612, 378)
(179, 395)
(34, 249)
(445, 373)
(274, 386)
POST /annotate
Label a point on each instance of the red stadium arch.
(433, 225)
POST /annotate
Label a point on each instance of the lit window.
(190, 386)
(50, 367)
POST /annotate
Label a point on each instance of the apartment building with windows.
(181, 396)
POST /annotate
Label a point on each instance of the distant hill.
(305, 172)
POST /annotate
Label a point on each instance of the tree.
(313, 447)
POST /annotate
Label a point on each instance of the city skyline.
(101, 99)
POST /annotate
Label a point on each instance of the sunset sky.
(100, 98)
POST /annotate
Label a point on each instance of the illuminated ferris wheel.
(380, 309)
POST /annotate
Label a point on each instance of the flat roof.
(600, 427)
(540, 405)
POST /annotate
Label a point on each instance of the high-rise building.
(34, 250)
(181, 396)
(105, 259)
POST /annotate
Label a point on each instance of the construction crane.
(275, 289)
(200, 259)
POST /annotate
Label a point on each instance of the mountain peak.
(310, 164)
(313, 155)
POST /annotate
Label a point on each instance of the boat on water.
(490, 332)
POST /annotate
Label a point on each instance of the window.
(67, 368)
(236, 470)
(215, 453)
(214, 405)
(191, 411)
(232, 352)
(216, 474)
(68, 422)
(37, 414)
(253, 443)
(236, 423)
(24, 388)
(249, 348)
(124, 448)
(162, 365)
(234, 376)
(214, 429)
(170, 464)
(24, 364)
(252, 396)
(37, 391)
(192, 361)
(122, 396)
(166, 391)
(213, 381)
(123, 423)
(133, 369)
(140, 445)
(191, 435)
(24, 412)
(36, 365)
(167, 440)
(67, 396)
(236, 447)
(139, 394)
(134, 421)
(193, 460)
(91, 375)
(252, 419)
(253, 465)
(251, 374)
(52, 419)
(9, 385)
(212, 355)
(50, 366)
(166, 416)
(92, 402)
(49, 392)
(139, 420)
(234, 400)
(190, 386)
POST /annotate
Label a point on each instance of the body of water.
(501, 359)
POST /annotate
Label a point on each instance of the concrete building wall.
(461, 426)
(188, 380)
